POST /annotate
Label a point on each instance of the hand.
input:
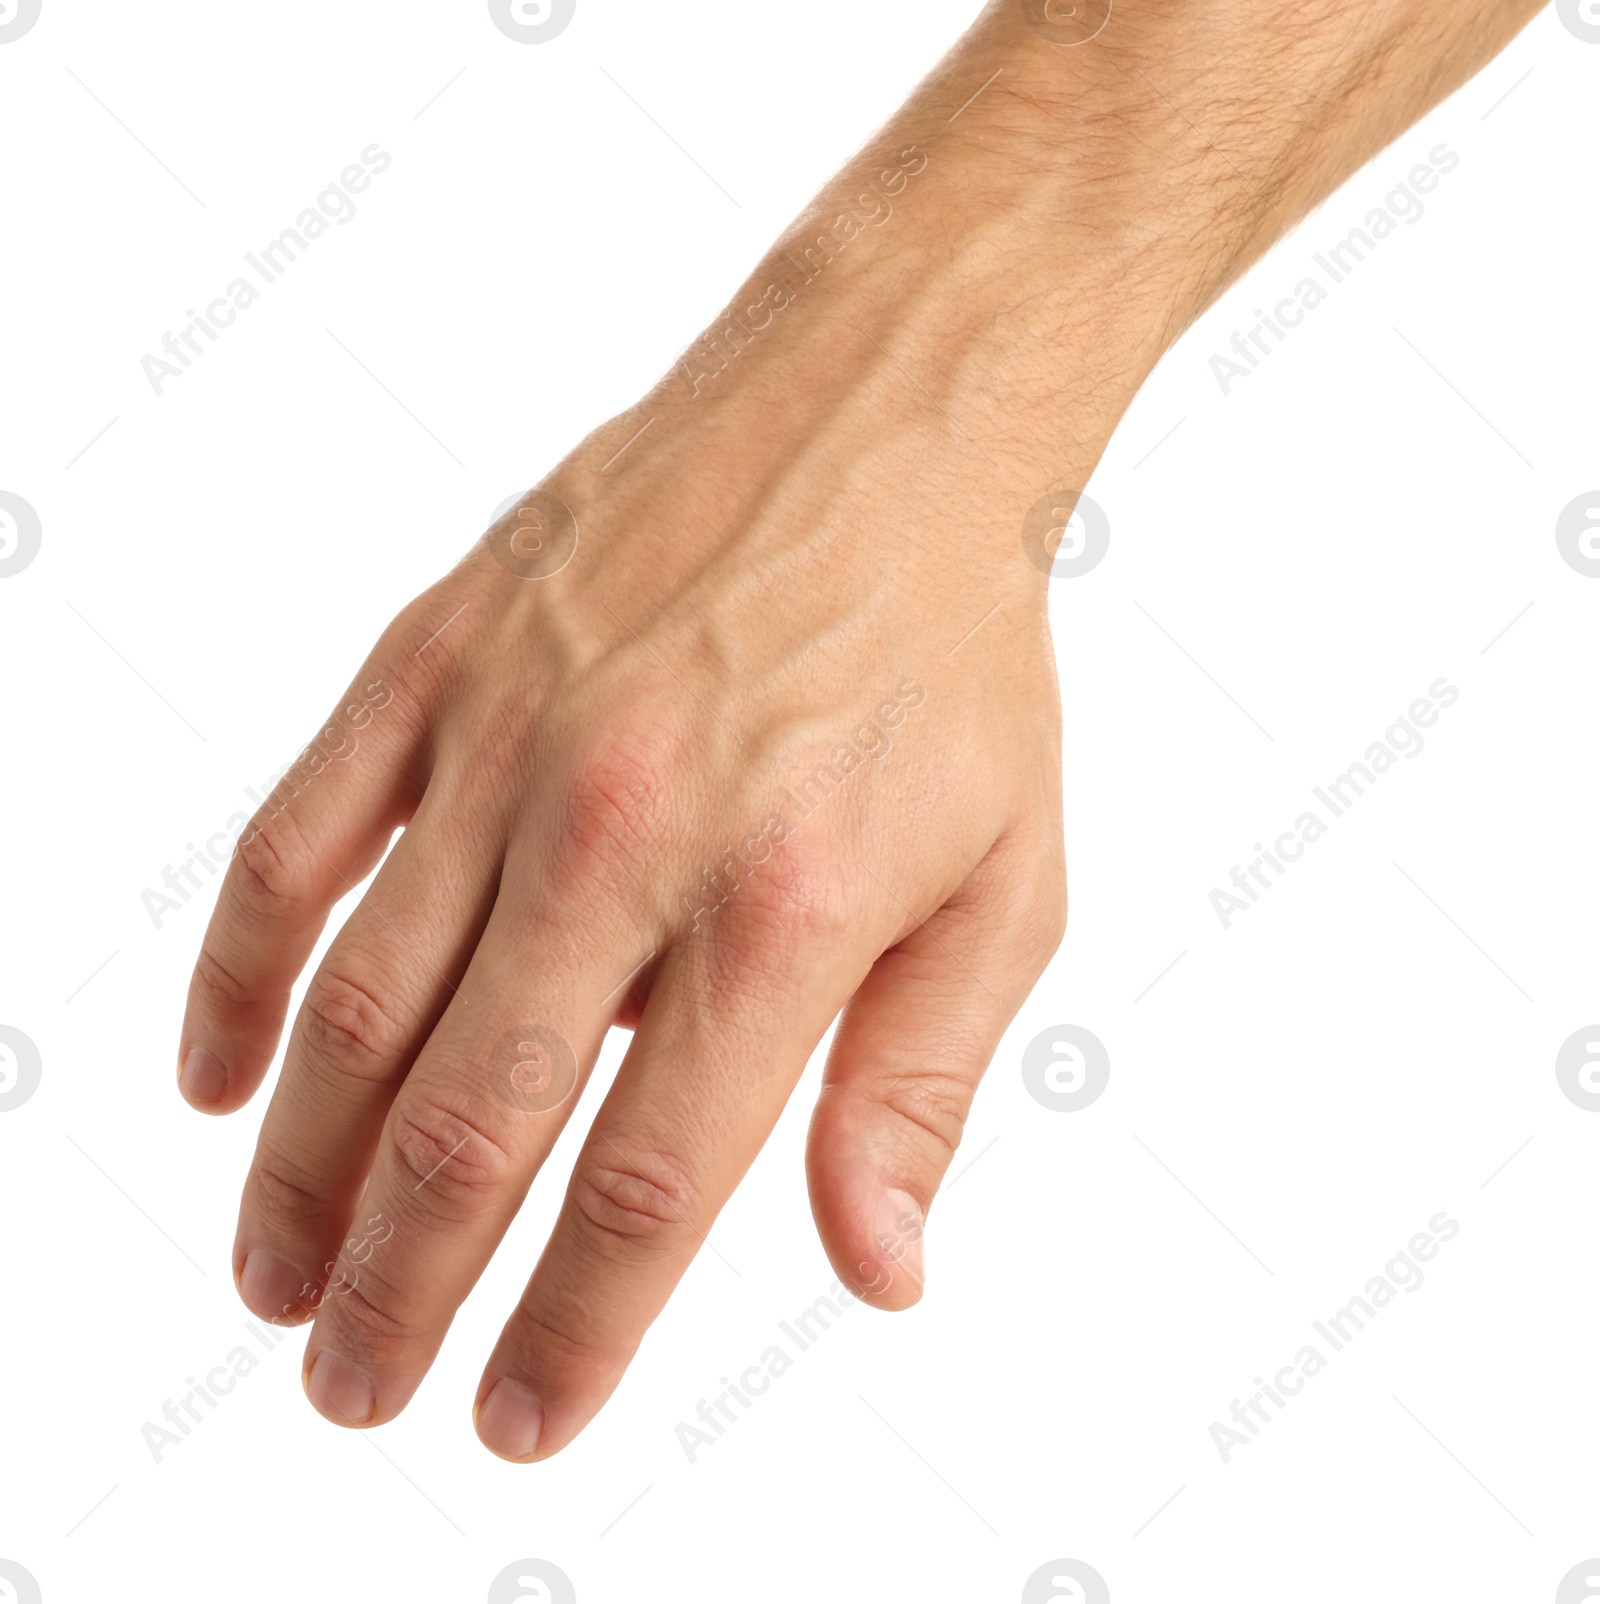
(711, 742)
(748, 715)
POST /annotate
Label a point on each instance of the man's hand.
(713, 742)
(748, 715)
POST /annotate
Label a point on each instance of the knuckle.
(269, 864)
(636, 1202)
(450, 1163)
(617, 800)
(215, 983)
(932, 1102)
(416, 677)
(288, 1208)
(1045, 927)
(366, 1323)
(348, 1028)
(561, 1333)
(794, 904)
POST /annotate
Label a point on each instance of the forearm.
(1041, 221)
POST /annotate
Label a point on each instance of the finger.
(721, 1046)
(315, 838)
(464, 1137)
(381, 989)
(905, 1063)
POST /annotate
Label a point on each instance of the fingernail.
(202, 1079)
(272, 1288)
(510, 1420)
(339, 1391)
(900, 1227)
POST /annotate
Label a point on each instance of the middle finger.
(466, 1134)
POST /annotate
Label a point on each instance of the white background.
(1366, 1047)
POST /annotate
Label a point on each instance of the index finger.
(724, 1041)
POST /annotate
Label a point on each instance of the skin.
(605, 756)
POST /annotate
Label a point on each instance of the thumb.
(905, 1064)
